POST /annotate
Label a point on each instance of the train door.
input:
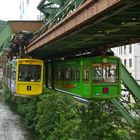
(85, 78)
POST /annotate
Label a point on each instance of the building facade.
(130, 55)
(28, 10)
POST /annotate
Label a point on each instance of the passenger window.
(58, 74)
(67, 73)
(62, 73)
(29, 73)
(105, 73)
(77, 73)
(85, 73)
(72, 73)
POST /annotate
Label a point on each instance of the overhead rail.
(94, 24)
(55, 10)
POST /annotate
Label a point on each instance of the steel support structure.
(83, 14)
(132, 87)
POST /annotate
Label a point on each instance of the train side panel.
(68, 77)
(9, 74)
(93, 77)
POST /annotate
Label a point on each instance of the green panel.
(69, 87)
(130, 82)
(2, 24)
(5, 34)
(85, 90)
(113, 91)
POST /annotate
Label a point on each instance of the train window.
(49, 73)
(68, 73)
(72, 73)
(85, 73)
(105, 73)
(57, 73)
(61, 73)
(29, 73)
(77, 69)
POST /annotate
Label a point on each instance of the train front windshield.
(105, 73)
(30, 73)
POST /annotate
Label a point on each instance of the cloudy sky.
(10, 8)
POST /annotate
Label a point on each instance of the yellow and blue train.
(84, 77)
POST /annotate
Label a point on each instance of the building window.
(28, 1)
(125, 62)
(130, 48)
(23, 7)
(124, 49)
(130, 62)
(120, 50)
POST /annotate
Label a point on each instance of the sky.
(10, 8)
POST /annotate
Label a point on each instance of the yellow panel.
(29, 88)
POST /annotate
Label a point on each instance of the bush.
(100, 120)
(27, 108)
(56, 116)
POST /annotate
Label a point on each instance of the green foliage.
(56, 116)
(100, 120)
(135, 132)
(7, 96)
(27, 108)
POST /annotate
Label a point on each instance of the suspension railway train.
(84, 77)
